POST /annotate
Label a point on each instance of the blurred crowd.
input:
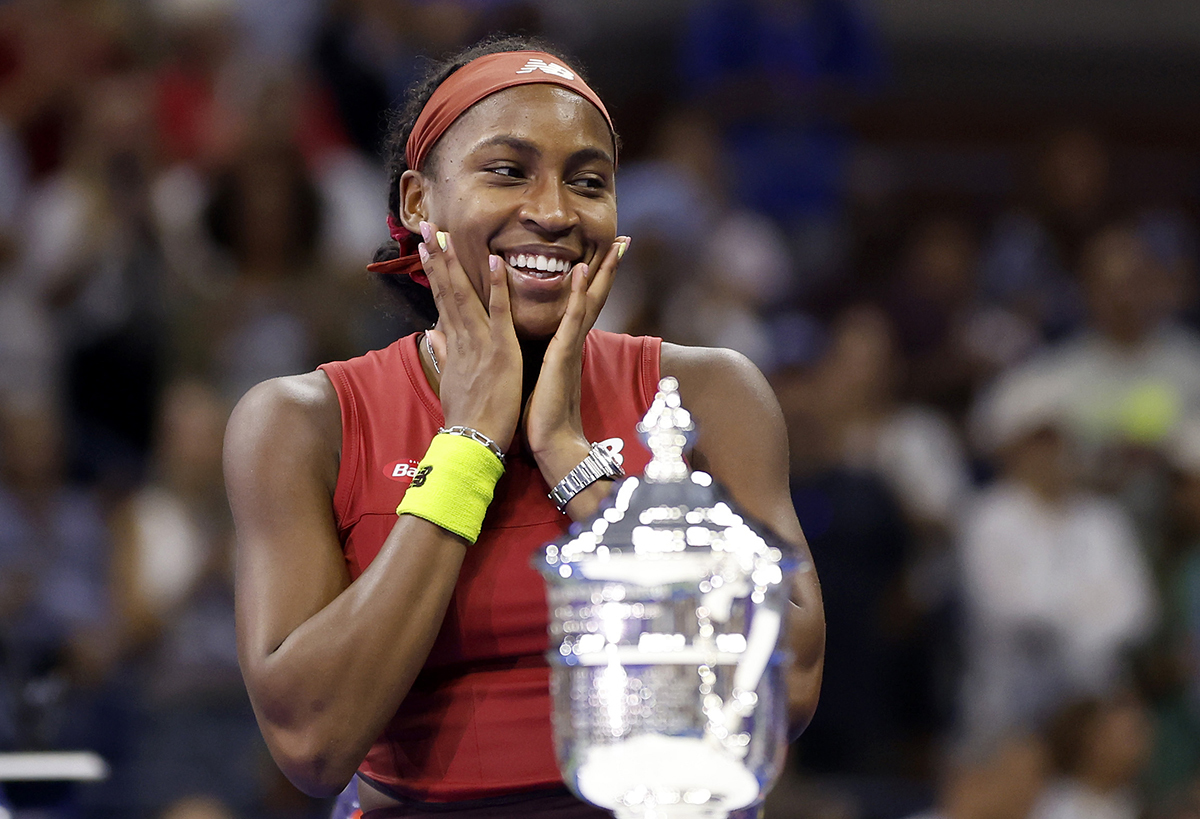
(993, 403)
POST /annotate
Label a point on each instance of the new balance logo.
(537, 64)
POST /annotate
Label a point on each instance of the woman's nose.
(547, 207)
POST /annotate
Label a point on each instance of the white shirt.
(1071, 800)
(1053, 594)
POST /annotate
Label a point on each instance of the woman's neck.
(532, 355)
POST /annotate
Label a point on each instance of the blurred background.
(960, 239)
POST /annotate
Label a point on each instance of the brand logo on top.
(538, 64)
(402, 470)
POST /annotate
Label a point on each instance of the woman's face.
(526, 174)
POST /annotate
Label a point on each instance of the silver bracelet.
(598, 464)
(477, 436)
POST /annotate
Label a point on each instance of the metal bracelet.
(598, 464)
(477, 436)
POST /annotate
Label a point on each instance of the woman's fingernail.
(426, 233)
(442, 239)
(623, 246)
(494, 262)
(423, 252)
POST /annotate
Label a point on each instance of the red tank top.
(476, 722)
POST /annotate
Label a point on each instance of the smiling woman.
(389, 621)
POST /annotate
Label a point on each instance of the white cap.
(1020, 404)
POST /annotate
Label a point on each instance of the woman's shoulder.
(717, 372)
(290, 415)
(306, 394)
(723, 391)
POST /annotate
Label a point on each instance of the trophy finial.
(668, 432)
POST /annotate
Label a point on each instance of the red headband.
(479, 78)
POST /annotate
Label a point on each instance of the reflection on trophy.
(667, 612)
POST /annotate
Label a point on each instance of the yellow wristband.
(453, 485)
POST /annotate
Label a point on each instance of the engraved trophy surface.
(667, 612)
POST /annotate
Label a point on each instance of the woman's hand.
(476, 348)
(552, 423)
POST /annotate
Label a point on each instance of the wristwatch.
(598, 464)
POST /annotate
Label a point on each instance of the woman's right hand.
(476, 348)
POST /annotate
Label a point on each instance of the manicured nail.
(426, 233)
(442, 239)
(621, 248)
(423, 252)
(494, 263)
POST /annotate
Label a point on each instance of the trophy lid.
(670, 525)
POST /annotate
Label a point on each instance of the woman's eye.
(506, 170)
(591, 183)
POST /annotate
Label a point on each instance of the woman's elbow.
(313, 765)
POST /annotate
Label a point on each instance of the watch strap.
(598, 464)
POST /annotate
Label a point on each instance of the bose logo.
(536, 64)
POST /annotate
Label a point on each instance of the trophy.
(667, 612)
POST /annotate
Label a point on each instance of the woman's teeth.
(539, 264)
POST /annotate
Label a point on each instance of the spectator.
(951, 340)
(1001, 780)
(860, 538)
(671, 199)
(1035, 249)
(1172, 673)
(273, 319)
(54, 603)
(1099, 748)
(173, 580)
(1056, 587)
(914, 447)
(92, 252)
(1121, 384)
(678, 203)
(1133, 371)
(369, 52)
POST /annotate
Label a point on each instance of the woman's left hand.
(552, 421)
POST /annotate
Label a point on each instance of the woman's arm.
(742, 442)
(326, 661)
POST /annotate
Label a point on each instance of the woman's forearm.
(325, 691)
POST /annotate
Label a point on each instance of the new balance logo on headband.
(537, 64)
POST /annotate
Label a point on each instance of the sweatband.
(453, 486)
(479, 78)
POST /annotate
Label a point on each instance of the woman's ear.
(413, 203)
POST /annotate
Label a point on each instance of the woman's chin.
(538, 324)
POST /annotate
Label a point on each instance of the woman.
(406, 643)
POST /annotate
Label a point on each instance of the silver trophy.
(667, 614)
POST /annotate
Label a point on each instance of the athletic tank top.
(476, 722)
